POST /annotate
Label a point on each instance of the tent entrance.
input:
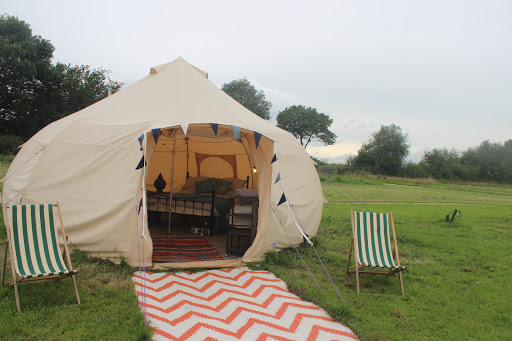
(200, 188)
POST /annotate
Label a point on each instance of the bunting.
(215, 127)
(140, 205)
(282, 200)
(141, 164)
(156, 133)
(236, 131)
(257, 138)
(290, 218)
(184, 127)
(274, 159)
(278, 178)
(141, 137)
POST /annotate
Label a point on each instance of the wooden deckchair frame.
(357, 263)
(16, 278)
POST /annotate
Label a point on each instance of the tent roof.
(172, 94)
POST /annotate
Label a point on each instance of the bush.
(9, 143)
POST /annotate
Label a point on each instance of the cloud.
(277, 97)
(335, 153)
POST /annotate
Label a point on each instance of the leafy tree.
(28, 86)
(83, 86)
(493, 161)
(441, 163)
(384, 153)
(33, 91)
(245, 93)
(306, 124)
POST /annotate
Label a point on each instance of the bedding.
(195, 198)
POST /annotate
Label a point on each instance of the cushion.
(235, 183)
(211, 185)
(205, 186)
(190, 185)
(221, 186)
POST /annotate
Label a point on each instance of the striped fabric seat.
(371, 243)
(36, 251)
(373, 240)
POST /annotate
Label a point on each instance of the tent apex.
(157, 69)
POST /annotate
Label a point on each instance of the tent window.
(216, 167)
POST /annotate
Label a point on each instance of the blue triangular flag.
(141, 164)
(140, 205)
(141, 137)
(236, 131)
(257, 138)
(278, 178)
(274, 159)
(283, 199)
(155, 132)
(215, 127)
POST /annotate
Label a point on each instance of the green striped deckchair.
(372, 247)
(32, 240)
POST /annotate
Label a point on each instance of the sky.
(441, 70)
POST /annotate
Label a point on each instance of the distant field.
(458, 283)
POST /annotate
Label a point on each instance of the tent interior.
(202, 180)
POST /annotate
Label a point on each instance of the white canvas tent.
(87, 162)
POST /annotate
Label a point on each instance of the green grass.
(458, 283)
(109, 309)
(457, 287)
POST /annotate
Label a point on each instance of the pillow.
(204, 186)
(211, 185)
(221, 186)
(190, 185)
(235, 183)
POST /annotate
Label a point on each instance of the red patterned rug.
(231, 305)
(178, 249)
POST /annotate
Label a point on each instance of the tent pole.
(186, 142)
(172, 181)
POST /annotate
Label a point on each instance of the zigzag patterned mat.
(231, 304)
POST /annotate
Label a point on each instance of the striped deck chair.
(372, 247)
(33, 246)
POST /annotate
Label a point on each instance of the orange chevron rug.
(231, 304)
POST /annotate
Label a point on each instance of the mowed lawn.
(458, 285)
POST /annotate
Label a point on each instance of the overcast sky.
(442, 70)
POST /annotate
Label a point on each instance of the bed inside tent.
(202, 191)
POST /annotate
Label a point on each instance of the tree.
(33, 91)
(493, 161)
(306, 124)
(384, 153)
(28, 85)
(245, 93)
(83, 86)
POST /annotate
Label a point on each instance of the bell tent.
(169, 153)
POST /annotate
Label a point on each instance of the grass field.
(458, 283)
(457, 287)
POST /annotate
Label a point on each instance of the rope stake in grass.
(291, 242)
